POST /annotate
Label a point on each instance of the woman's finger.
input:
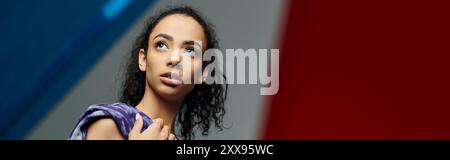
(171, 137)
(137, 124)
(155, 127)
(136, 128)
(164, 135)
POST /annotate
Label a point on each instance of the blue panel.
(114, 7)
(46, 46)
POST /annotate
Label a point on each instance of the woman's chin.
(170, 93)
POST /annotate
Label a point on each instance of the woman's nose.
(175, 58)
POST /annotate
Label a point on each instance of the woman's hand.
(156, 130)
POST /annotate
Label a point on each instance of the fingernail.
(138, 116)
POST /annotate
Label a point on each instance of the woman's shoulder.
(122, 114)
(102, 129)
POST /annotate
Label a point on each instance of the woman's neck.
(155, 106)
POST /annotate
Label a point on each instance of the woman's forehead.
(180, 27)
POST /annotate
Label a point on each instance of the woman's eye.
(190, 51)
(161, 45)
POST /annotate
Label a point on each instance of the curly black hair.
(201, 106)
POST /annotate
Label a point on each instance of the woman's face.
(174, 53)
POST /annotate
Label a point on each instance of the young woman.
(152, 101)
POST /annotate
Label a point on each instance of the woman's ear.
(142, 59)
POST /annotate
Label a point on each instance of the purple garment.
(123, 115)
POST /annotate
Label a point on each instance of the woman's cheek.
(196, 71)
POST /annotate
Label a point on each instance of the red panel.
(353, 69)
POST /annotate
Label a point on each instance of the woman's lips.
(166, 79)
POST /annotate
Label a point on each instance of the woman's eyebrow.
(192, 42)
(188, 42)
(166, 36)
